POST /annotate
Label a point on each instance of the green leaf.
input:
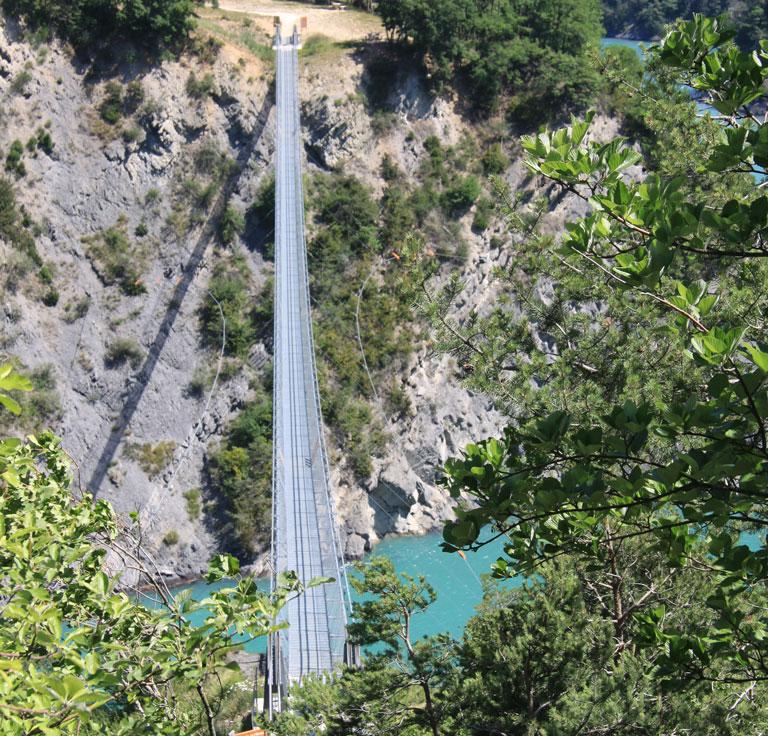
(10, 404)
(759, 357)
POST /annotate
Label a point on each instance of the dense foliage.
(646, 19)
(537, 658)
(534, 51)
(85, 22)
(362, 283)
(649, 342)
(233, 304)
(241, 470)
(79, 655)
(352, 291)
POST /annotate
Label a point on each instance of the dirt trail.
(340, 25)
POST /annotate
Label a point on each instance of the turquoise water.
(636, 45)
(456, 582)
(701, 107)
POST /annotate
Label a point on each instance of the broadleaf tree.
(80, 654)
(674, 450)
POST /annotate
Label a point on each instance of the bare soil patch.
(339, 25)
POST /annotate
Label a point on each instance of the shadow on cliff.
(143, 377)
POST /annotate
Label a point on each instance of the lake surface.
(636, 45)
(455, 580)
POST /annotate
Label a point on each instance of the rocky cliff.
(125, 219)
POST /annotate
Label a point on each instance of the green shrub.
(398, 402)
(240, 471)
(171, 538)
(20, 81)
(231, 224)
(436, 161)
(111, 107)
(117, 260)
(483, 213)
(382, 122)
(201, 381)
(12, 224)
(45, 142)
(123, 350)
(389, 169)
(461, 195)
(132, 133)
(214, 162)
(134, 97)
(194, 504)
(398, 218)
(260, 217)
(200, 87)
(76, 310)
(206, 49)
(201, 195)
(494, 160)
(152, 197)
(141, 229)
(152, 459)
(13, 161)
(50, 297)
(45, 274)
(229, 285)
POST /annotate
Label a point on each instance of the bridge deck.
(305, 535)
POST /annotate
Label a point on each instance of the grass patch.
(317, 44)
(123, 350)
(171, 537)
(77, 309)
(152, 459)
(193, 499)
(20, 82)
(117, 259)
(254, 41)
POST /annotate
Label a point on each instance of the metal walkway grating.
(304, 528)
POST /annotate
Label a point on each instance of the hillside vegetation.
(537, 52)
(604, 296)
(92, 22)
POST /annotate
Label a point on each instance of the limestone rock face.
(333, 130)
(402, 495)
(125, 176)
(132, 177)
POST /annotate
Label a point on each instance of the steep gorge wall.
(100, 177)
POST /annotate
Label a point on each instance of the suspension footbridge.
(305, 534)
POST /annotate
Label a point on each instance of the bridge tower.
(305, 533)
